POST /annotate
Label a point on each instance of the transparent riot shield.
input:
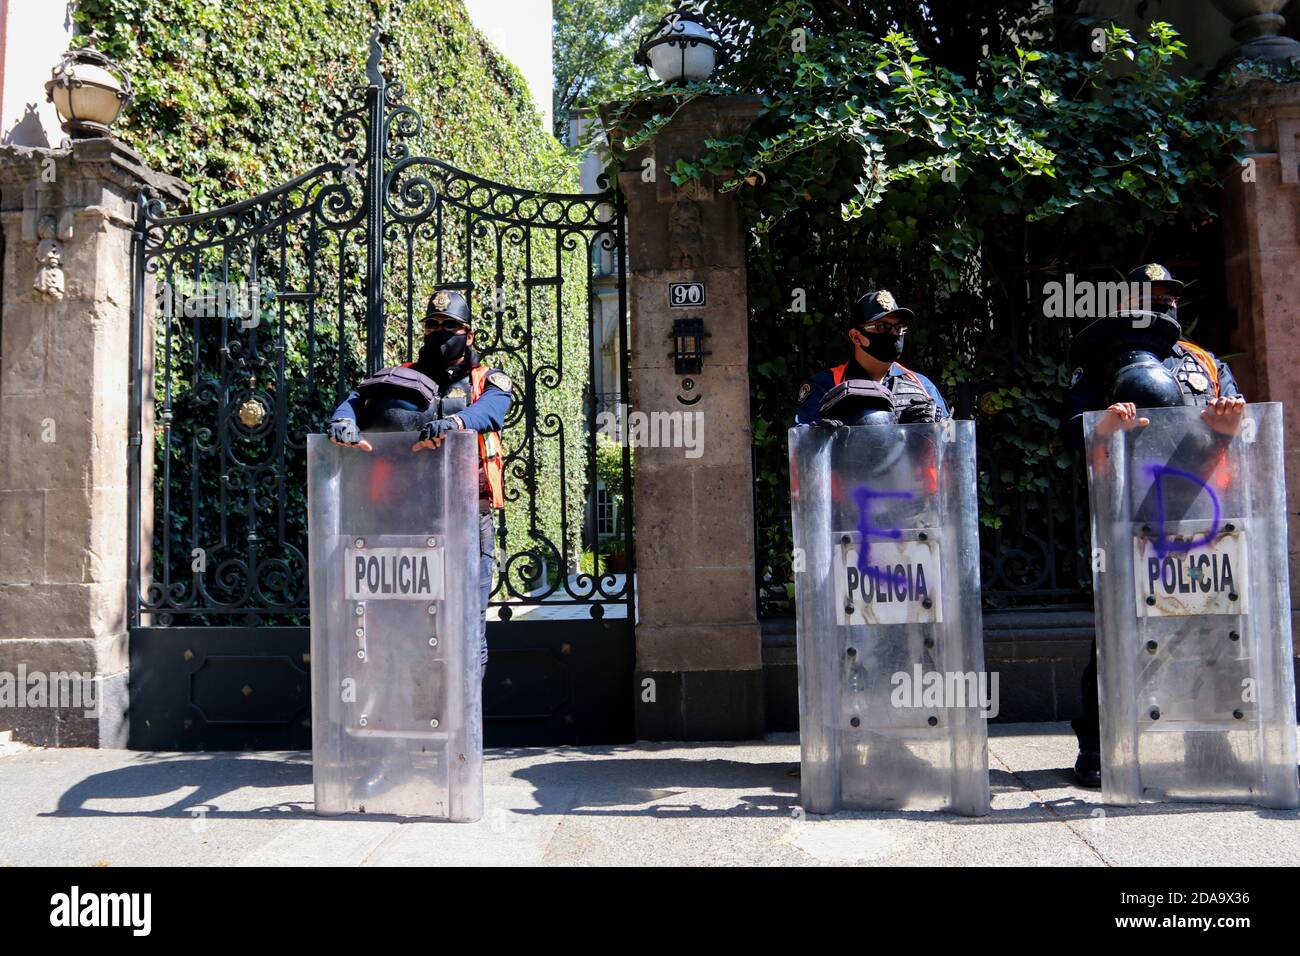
(1197, 694)
(397, 724)
(892, 686)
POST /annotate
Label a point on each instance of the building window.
(606, 513)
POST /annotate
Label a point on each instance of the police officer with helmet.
(873, 388)
(458, 393)
(873, 379)
(1133, 359)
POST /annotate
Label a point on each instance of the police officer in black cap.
(1134, 359)
(466, 395)
(873, 388)
(876, 328)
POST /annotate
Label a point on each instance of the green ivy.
(236, 99)
(874, 163)
(609, 469)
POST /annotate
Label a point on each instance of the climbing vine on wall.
(961, 155)
(236, 99)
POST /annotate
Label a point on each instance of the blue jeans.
(487, 561)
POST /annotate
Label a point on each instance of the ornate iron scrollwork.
(335, 254)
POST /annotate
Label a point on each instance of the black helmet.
(387, 414)
(876, 305)
(858, 401)
(1141, 378)
(1100, 342)
(450, 304)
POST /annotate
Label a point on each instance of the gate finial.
(377, 38)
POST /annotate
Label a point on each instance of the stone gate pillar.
(698, 648)
(67, 217)
(1261, 234)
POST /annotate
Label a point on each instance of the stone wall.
(65, 372)
(698, 648)
(1261, 227)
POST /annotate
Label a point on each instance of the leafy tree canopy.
(594, 43)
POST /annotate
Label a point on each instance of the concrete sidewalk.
(657, 804)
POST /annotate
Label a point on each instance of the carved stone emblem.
(49, 261)
(685, 238)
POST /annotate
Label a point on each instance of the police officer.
(1137, 358)
(472, 397)
(876, 329)
(873, 388)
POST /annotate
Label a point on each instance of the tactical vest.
(490, 452)
(909, 395)
(489, 443)
(1196, 367)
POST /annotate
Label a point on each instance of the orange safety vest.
(489, 443)
(837, 374)
(1206, 360)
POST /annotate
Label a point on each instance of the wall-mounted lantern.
(688, 346)
(682, 47)
(86, 93)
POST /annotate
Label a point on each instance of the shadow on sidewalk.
(664, 788)
(208, 777)
(577, 783)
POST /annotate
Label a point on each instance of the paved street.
(661, 804)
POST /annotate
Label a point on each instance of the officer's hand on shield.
(344, 431)
(433, 433)
(1121, 417)
(1224, 415)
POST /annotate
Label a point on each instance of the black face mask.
(884, 347)
(442, 348)
(1162, 305)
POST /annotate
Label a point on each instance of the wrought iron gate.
(250, 323)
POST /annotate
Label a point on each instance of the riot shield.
(397, 722)
(892, 685)
(1195, 682)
